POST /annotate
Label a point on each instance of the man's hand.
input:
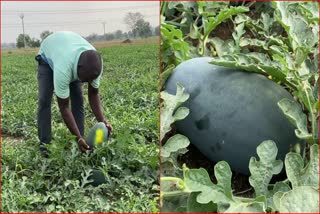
(83, 146)
(109, 126)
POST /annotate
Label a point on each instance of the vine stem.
(180, 183)
(244, 191)
(313, 120)
(172, 194)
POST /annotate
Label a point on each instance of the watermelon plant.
(121, 174)
(278, 40)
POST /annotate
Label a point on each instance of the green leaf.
(306, 95)
(267, 21)
(274, 195)
(281, 186)
(244, 42)
(171, 166)
(252, 62)
(173, 47)
(301, 199)
(171, 112)
(212, 22)
(312, 171)
(293, 112)
(222, 47)
(276, 200)
(174, 144)
(253, 205)
(85, 177)
(237, 34)
(311, 10)
(223, 175)
(181, 209)
(198, 180)
(263, 170)
(297, 28)
(194, 206)
(300, 175)
(210, 7)
(181, 5)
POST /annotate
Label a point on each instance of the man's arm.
(71, 123)
(95, 104)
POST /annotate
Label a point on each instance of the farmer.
(65, 62)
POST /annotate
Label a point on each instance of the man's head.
(89, 65)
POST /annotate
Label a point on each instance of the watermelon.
(231, 112)
(97, 135)
(97, 177)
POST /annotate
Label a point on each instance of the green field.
(129, 93)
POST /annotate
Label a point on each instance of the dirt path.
(11, 140)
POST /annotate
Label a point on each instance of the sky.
(81, 17)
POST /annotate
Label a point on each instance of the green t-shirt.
(61, 50)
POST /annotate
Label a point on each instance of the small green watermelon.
(97, 135)
(97, 177)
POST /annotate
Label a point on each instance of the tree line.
(139, 28)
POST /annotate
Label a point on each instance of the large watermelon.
(231, 112)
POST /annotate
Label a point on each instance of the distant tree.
(137, 25)
(157, 31)
(125, 35)
(20, 42)
(92, 37)
(131, 19)
(45, 34)
(130, 34)
(110, 36)
(34, 43)
(142, 29)
(118, 34)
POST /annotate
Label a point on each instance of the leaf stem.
(173, 194)
(313, 120)
(179, 182)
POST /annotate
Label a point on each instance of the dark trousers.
(45, 88)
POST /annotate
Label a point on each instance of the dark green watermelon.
(231, 112)
(97, 177)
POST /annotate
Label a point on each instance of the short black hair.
(90, 61)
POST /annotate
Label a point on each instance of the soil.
(11, 140)
(127, 41)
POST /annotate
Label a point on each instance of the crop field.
(239, 106)
(129, 160)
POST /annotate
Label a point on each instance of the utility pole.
(104, 30)
(24, 37)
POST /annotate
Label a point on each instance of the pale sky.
(81, 17)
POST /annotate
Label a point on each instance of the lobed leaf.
(212, 22)
(174, 144)
(263, 170)
(171, 112)
(300, 175)
(194, 206)
(293, 112)
(198, 180)
(301, 199)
